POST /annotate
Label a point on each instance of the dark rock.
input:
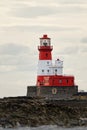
(27, 111)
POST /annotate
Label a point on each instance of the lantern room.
(45, 41)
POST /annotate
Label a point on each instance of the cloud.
(26, 11)
(71, 1)
(74, 50)
(7, 68)
(84, 40)
(13, 49)
(40, 28)
(71, 50)
(15, 57)
(84, 49)
(55, 1)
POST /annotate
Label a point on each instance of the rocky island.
(28, 111)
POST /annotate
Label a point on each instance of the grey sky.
(23, 22)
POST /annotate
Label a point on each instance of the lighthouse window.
(60, 81)
(42, 70)
(55, 70)
(47, 62)
(45, 44)
(47, 70)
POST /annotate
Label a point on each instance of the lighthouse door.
(46, 81)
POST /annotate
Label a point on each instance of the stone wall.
(57, 92)
(52, 92)
(31, 91)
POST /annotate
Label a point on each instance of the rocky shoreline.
(27, 111)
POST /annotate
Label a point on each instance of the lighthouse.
(51, 82)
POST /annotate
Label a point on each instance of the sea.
(48, 127)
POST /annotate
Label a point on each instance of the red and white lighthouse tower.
(45, 60)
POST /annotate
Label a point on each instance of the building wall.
(52, 92)
(55, 80)
(81, 96)
(31, 91)
(57, 92)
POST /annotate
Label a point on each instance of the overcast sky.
(23, 22)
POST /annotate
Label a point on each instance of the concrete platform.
(52, 92)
